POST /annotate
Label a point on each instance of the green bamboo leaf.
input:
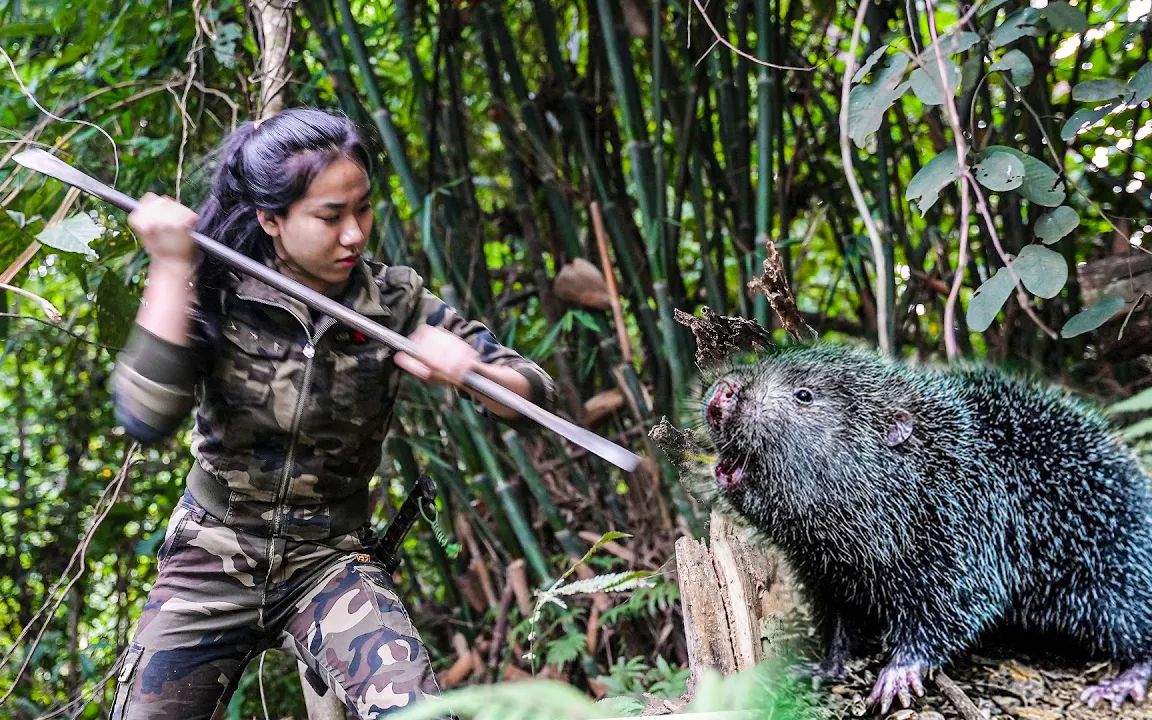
(1140, 402)
(1020, 24)
(924, 188)
(988, 299)
(868, 103)
(1062, 17)
(1093, 317)
(1017, 63)
(1042, 271)
(115, 310)
(1041, 183)
(1000, 171)
(1141, 84)
(1056, 224)
(1140, 429)
(926, 83)
(1083, 119)
(71, 235)
(1098, 90)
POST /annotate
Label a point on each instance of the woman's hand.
(447, 358)
(164, 227)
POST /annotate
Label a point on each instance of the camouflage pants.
(223, 596)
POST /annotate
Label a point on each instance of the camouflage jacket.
(292, 412)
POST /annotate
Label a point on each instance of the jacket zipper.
(305, 388)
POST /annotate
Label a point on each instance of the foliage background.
(498, 126)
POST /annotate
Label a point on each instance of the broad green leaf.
(1000, 171)
(1098, 90)
(1083, 119)
(990, 7)
(924, 188)
(115, 310)
(224, 43)
(1140, 402)
(988, 299)
(1062, 17)
(1041, 183)
(926, 83)
(869, 64)
(949, 45)
(1042, 271)
(868, 103)
(17, 217)
(1141, 84)
(1020, 24)
(1018, 64)
(970, 72)
(71, 235)
(1093, 317)
(1056, 224)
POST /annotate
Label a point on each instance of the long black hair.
(266, 166)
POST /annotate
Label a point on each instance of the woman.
(263, 550)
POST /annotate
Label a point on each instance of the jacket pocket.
(249, 364)
(359, 383)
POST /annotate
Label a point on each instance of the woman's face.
(319, 240)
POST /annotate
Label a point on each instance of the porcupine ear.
(900, 427)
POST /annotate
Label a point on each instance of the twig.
(610, 278)
(747, 56)
(501, 631)
(956, 696)
(50, 309)
(42, 321)
(882, 309)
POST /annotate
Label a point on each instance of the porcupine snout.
(719, 411)
(721, 404)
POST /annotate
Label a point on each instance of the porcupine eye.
(803, 396)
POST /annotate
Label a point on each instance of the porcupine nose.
(721, 403)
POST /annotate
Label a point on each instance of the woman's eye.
(332, 219)
(803, 396)
(365, 209)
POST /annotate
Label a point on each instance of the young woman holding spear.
(263, 550)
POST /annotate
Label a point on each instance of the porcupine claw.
(1132, 683)
(897, 681)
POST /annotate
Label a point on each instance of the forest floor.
(1002, 684)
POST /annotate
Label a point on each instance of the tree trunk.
(273, 21)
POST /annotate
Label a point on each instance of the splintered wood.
(733, 593)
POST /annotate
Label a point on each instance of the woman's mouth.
(348, 261)
(729, 474)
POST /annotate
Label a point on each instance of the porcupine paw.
(1132, 683)
(897, 681)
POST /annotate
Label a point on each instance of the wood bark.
(734, 593)
(273, 21)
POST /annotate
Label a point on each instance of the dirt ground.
(1002, 687)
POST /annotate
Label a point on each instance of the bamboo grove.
(521, 148)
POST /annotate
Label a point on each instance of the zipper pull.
(309, 350)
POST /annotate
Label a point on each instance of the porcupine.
(923, 506)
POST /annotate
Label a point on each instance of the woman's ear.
(271, 224)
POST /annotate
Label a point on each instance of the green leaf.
(1062, 17)
(1041, 183)
(988, 299)
(1140, 402)
(224, 43)
(1098, 90)
(1140, 429)
(1093, 317)
(970, 72)
(1141, 84)
(926, 83)
(1056, 224)
(71, 235)
(1083, 119)
(1020, 24)
(924, 188)
(620, 706)
(1000, 171)
(115, 310)
(949, 45)
(869, 63)
(1042, 271)
(565, 648)
(1018, 64)
(989, 7)
(868, 103)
